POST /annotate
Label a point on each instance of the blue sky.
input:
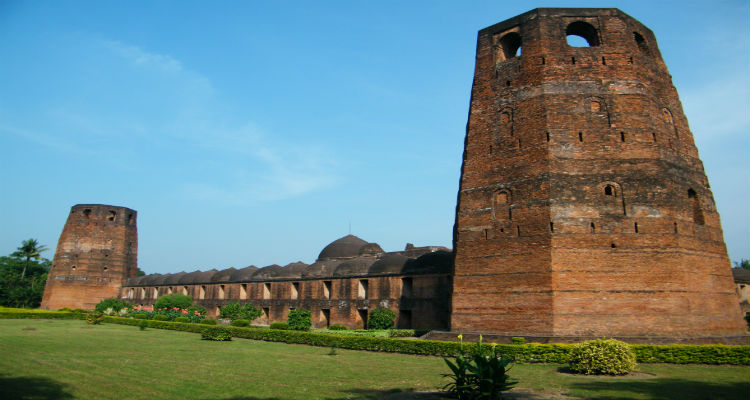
(257, 132)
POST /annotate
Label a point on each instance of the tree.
(743, 263)
(30, 249)
(26, 292)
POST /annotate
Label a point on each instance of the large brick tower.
(96, 253)
(583, 208)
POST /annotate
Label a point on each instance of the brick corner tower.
(583, 208)
(96, 253)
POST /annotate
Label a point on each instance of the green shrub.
(483, 376)
(173, 300)
(517, 340)
(115, 304)
(142, 325)
(747, 318)
(336, 327)
(530, 352)
(381, 318)
(282, 326)
(602, 357)
(94, 318)
(160, 317)
(64, 309)
(140, 316)
(401, 333)
(218, 333)
(182, 319)
(208, 321)
(240, 322)
(299, 319)
(78, 311)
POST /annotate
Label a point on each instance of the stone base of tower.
(70, 295)
(737, 339)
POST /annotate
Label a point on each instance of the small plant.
(218, 333)
(182, 319)
(282, 326)
(109, 311)
(94, 318)
(240, 322)
(478, 377)
(336, 327)
(123, 312)
(381, 318)
(602, 357)
(518, 340)
(332, 352)
(142, 325)
(208, 321)
(160, 317)
(299, 319)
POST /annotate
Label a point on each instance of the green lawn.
(66, 359)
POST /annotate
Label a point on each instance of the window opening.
(326, 289)
(547, 136)
(266, 291)
(362, 289)
(202, 293)
(622, 136)
(267, 314)
(613, 245)
(510, 45)
(604, 61)
(573, 60)
(593, 228)
(507, 83)
(696, 205)
(295, 290)
(653, 136)
(111, 216)
(156, 293)
(243, 291)
(325, 317)
(609, 190)
(581, 34)
(640, 41)
(551, 227)
(518, 230)
(184, 290)
(87, 213)
(362, 313)
(130, 219)
(406, 287)
(635, 227)
(143, 293)
(580, 136)
(543, 61)
(404, 319)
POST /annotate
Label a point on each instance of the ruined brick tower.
(583, 208)
(96, 253)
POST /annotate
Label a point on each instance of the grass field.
(64, 359)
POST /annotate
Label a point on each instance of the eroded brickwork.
(583, 207)
(97, 252)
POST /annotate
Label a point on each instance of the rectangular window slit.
(580, 136)
(635, 226)
(604, 61)
(551, 227)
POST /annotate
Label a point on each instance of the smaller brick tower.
(97, 252)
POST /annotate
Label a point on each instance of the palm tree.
(29, 249)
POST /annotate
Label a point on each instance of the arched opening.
(581, 34)
(696, 206)
(510, 45)
(640, 41)
(111, 216)
(609, 190)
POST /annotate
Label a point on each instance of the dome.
(321, 269)
(355, 267)
(346, 247)
(243, 274)
(173, 279)
(223, 275)
(267, 272)
(391, 263)
(293, 270)
(437, 262)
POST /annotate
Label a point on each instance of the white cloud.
(141, 58)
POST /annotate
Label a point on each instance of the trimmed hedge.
(530, 352)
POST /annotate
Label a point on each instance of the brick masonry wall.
(97, 252)
(583, 207)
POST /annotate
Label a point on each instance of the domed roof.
(345, 247)
(293, 270)
(243, 274)
(174, 279)
(391, 263)
(267, 272)
(150, 279)
(223, 275)
(321, 269)
(437, 262)
(354, 267)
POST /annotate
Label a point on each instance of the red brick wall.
(543, 247)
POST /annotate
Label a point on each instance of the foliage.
(240, 322)
(182, 319)
(30, 249)
(143, 325)
(282, 326)
(517, 340)
(160, 317)
(140, 316)
(218, 333)
(94, 318)
(743, 263)
(173, 300)
(234, 310)
(22, 281)
(381, 318)
(747, 318)
(407, 332)
(113, 303)
(336, 327)
(208, 321)
(299, 319)
(483, 376)
(602, 357)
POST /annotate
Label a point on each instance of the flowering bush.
(194, 313)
